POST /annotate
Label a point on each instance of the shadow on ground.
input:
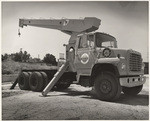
(141, 99)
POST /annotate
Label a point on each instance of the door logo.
(85, 58)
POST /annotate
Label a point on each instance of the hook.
(19, 32)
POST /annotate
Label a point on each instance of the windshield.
(107, 44)
(104, 40)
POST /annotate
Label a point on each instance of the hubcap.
(105, 86)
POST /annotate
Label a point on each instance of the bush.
(21, 56)
(4, 71)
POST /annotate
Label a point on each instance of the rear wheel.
(132, 90)
(107, 86)
(29, 73)
(45, 79)
(23, 81)
(36, 81)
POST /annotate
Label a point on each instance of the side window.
(83, 42)
(91, 41)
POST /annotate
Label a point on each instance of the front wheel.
(107, 86)
(132, 90)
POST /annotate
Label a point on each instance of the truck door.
(84, 55)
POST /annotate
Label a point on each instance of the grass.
(9, 78)
(12, 67)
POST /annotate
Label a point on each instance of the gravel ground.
(75, 103)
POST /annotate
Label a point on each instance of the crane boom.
(69, 26)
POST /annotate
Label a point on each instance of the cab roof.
(104, 36)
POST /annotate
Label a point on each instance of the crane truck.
(92, 59)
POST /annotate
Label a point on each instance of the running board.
(55, 79)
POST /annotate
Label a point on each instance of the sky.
(126, 21)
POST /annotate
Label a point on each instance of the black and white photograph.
(75, 60)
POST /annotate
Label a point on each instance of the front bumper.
(132, 81)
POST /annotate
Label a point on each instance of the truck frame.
(92, 59)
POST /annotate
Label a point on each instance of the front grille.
(135, 62)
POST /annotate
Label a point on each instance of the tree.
(17, 57)
(5, 57)
(21, 56)
(2, 57)
(50, 59)
(25, 56)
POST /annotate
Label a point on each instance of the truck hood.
(117, 51)
(114, 52)
(123, 52)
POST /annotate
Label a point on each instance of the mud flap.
(56, 77)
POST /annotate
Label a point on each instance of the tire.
(45, 79)
(29, 73)
(36, 82)
(64, 83)
(132, 90)
(23, 81)
(107, 87)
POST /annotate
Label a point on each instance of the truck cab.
(91, 47)
(96, 54)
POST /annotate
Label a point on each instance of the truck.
(92, 60)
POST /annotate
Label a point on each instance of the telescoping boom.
(69, 26)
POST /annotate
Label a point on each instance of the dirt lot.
(75, 103)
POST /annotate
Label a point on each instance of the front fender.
(104, 64)
(117, 62)
(113, 61)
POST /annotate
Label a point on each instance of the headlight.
(143, 66)
(106, 52)
(123, 66)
